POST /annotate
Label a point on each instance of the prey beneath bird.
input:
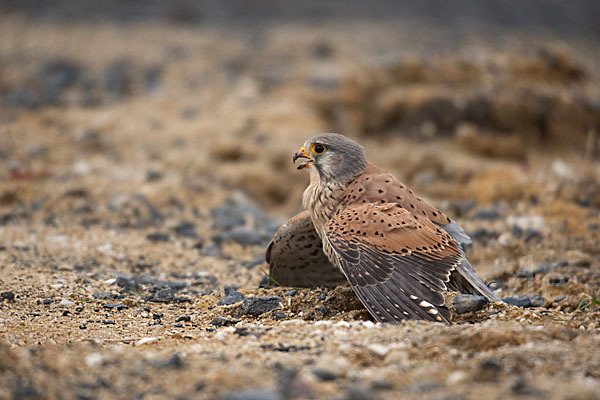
(365, 227)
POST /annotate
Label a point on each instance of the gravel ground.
(144, 167)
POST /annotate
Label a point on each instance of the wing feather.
(398, 265)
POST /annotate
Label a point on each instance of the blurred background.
(145, 159)
(222, 92)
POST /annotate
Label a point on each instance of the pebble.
(253, 395)
(290, 292)
(119, 77)
(323, 310)
(358, 393)
(464, 303)
(278, 315)
(559, 299)
(173, 362)
(65, 302)
(222, 321)
(232, 296)
(258, 305)
(153, 175)
(158, 237)
(378, 349)
(488, 214)
(531, 234)
(183, 318)
(145, 340)
(47, 301)
(330, 368)
(525, 301)
(106, 295)
(516, 232)
(558, 281)
(186, 229)
(161, 296)
(113, 306)
(7, 296)
(126, 283)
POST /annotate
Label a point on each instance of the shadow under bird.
(365, 227)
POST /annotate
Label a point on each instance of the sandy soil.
(144, 166)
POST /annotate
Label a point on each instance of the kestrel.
(365, 227)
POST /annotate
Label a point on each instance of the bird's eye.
(318, 149)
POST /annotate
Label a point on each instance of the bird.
(363, 226)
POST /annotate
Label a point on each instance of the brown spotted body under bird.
(365, 227)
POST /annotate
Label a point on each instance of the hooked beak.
(302, 154)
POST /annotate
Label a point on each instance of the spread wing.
(397, 262)
(295, 256)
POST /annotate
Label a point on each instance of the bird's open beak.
(302, 154)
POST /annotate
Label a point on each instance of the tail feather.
(463, 279)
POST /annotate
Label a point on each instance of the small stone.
(186, 229)
(146, 340)
(290, 292)
(277, 315)
(253, 395)
(108, 322)
(162, 296)
(487, 370)
(525, 301)
(559, 299)
(379, 350)
(532, 234)
(487, 214)
(47, 301)
(158, 237)
(232, 296)
(323, 310)
(222, 321)
(558, 281)
(65, 302)
(329, 368)
(359, 393)
(258, 305)
(516, 232)
(157, 316)
(324, 374)
(126, 283)
(483, 234)
(7, 296)
(113, 306)
(153, 175)
(464, 303)
(174, 362)
(183, 318)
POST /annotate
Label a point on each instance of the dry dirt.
(143, 167)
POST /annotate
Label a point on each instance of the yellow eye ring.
(317, 149)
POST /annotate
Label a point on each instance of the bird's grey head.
(335, 157)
